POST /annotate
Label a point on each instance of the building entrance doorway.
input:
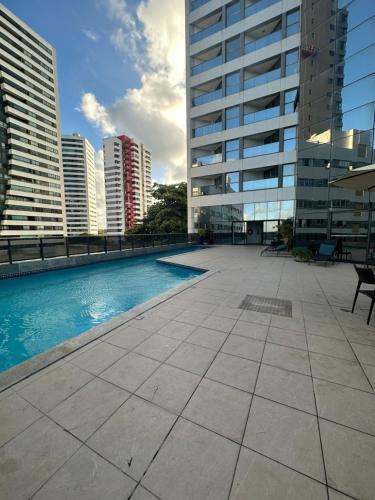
(253, 232)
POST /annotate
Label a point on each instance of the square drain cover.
(267, 305)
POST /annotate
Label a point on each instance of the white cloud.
(90, 34)
(153, 39)
(100, 189)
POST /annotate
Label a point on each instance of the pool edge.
(24, 370)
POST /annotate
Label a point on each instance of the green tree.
(169, 213)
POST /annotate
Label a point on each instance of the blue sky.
(84, 65)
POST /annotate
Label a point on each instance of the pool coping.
(24, 370)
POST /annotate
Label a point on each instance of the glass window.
(260, 211)
(233, 13)
(360, 65)
(232, 83)
(248, 211)
(290, 137)
(291, 62)
(232, 182)
(287, 209)
(273, 210)
(232, 49)
(292, 23)
(232, 117)
(291, 101)
(232, 150)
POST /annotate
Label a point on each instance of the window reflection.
(232, 83)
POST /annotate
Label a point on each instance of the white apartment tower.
(127, 174)
(31, 173)
(80, 185)
(242, 81)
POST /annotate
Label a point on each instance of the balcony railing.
(273, 37)
(204, 66)
(207, 190)
(195, 4)
(270, 76)
(207, 160)
(272, 182)
(210, 30)
(208, 129)
(264, 114)
(258, 6)
(210, 96)
(263, 149)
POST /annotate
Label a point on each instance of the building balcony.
(206, 65)
(206, 190)
(258, 6)
(204, 33)
(263, 149)
(253, 185)
(264, 41)
(264, 114)
(195, 4)
(208, 97)
(208, 129)
(207, 160)
(262, 79)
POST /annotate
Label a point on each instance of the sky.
(121, 69)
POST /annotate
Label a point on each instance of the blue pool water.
(40, 311)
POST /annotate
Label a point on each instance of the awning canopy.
(360, 179)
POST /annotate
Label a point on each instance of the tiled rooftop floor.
(198, 399)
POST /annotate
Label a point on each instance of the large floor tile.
(252, 330)
(243, 347)
(219, 323)
(151, 322)
(346, 406)
(231, 370)
(158, 347)
(127, 337)
(259, 478)
(86, 476)
(16, 415)
(142, 494)
(286, 338)
(288, 358)
(130, 371)
(287, 435)
(28, 460)
(205, 337)
(350, 460)
(169, 387)
(87, 409)
(365, 353)
(132, 436)
(193, 358)
(341, 371)
(192, 464)
(192, 317)
(177, 330)
(99, 358)
(292, 389)
(290, 324)
(315, 327)
(330, 347)
(370, 373)
(335, 495)
(220, 408)
(50, 389)
(256, 317)
(227, 312)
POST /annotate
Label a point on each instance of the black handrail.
(21, 249)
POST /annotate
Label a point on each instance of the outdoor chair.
(365, 276)
(326, 253)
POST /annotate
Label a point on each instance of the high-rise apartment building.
(31, 173)
(280, 100)
(80, 185)
(127, 174)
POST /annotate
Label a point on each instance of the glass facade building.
(287, 107)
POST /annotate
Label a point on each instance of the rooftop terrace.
(198, 399)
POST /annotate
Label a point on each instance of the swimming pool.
(40, 311)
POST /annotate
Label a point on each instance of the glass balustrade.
(272, 182)
(195, 4)
(264, 114)
(270, 76)
(208, 129)
(273, 37)
(207, 190)
(210, 96)
(207, 160)
(214, 28)
(258, 6)
(204, 66)
(263, 149)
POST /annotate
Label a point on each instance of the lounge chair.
(326, 253)
(366, 276)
